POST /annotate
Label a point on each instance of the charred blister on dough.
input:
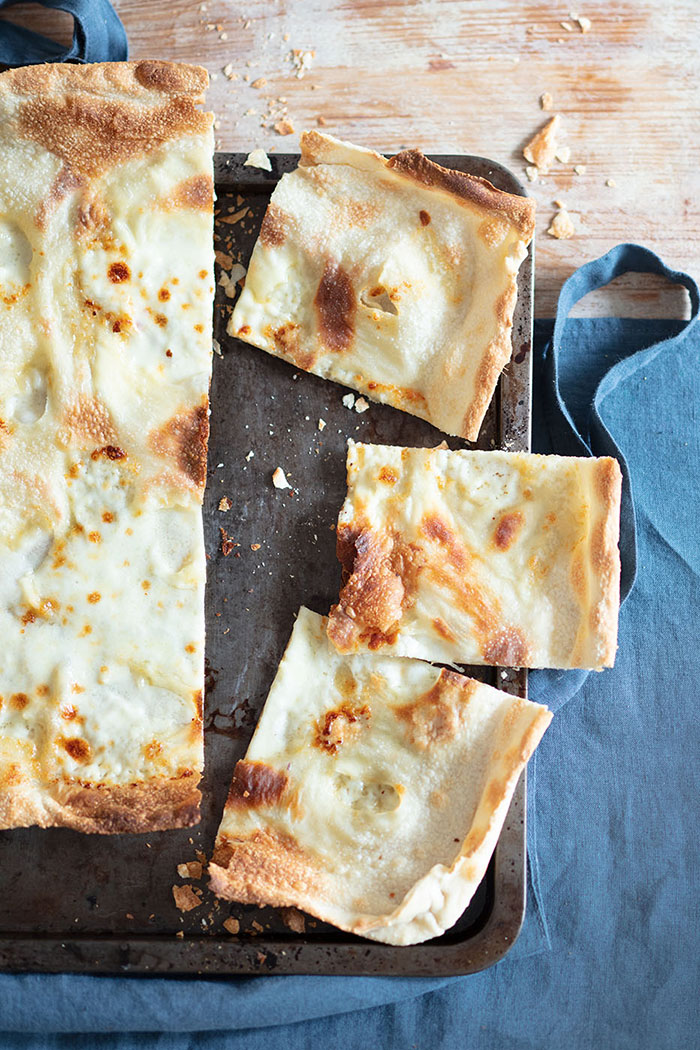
(335, 303)
(256, 784)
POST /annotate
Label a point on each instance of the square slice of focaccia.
(106, 290)
(479, 557)
(374, 790)
(395, 277)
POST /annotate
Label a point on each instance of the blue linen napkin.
(98, 36)
(612, 842)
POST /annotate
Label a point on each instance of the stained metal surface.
(72, 902)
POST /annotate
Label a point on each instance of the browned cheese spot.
(161, 320)
(199, 328)
(94, 597)
(440, 532)
(118, 272)
(507, 529)
(89, 420)
(189, 648)
(64, 184)
(19, 701)
(184, 438)
(424, 218)
(256, 784)
(77, 748)
(68, 712)
(107, 517)
(112, 452)
(95, 536)
(42, 690)
(443, 630)
(197, 192)
(153, 749)
(340, 726)
(273, 231)
(164, 295)
(288, 343)
(388, 475)
(506, 648)
(335, 304)
(434, 717)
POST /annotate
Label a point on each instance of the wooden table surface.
(465, 76)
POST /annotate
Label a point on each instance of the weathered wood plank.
(466, 76)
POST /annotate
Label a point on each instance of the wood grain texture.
(466, 76)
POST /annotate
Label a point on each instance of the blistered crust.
(405, 871)
(436, 274)
(153, 805)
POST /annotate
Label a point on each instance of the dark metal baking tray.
(71, 902)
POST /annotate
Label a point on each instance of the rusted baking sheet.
(73, 902)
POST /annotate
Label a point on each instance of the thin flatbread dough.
(373, 791)
(395, 277)
(503, 558)
(106, 288)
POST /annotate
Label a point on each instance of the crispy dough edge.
(158, 804)
(604, 556)
(133, 79)
(494, 359)
(262, 869)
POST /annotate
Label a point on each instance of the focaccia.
(106, 288)
(395, 277)
(374, 790)
(479, 557)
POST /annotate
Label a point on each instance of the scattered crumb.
(225, 504)
(610, 182)
(180, 934)
(129, 915)
(191, 869)
(321, 121)
(259, 83)
(562, 226)
(546, 100)
(531, 172)
(361, 405)
(249, 456)
(232, 925)
(279, 479)
(563, 154)
(201, 857)
(542, 148)
(224, 260)
(301, 60)
(504, 674)
(255, 546)
(284, 127)
(231, 220)
(293, 919)
(321, 424)
(349, 400)
(559, 203)
(579, 169)
(256, 926)
(258, 158)
(567, 26)
(216, 347)
(229, 281)
(261, 957)
(228, 72)
(227, 543)
(186, 898)
(583, 22)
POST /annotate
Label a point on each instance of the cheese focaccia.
(106, 288)
(373, 791)
(500, 558)
(395, 277)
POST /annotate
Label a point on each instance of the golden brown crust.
(434, 718)
(267, 868)
(605, 557)
(520, 211)
(335, 304)
(256, 784)
(151, 805)
(102, 78)
(184, 439)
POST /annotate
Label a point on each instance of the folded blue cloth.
(613, 826)
(98, 36)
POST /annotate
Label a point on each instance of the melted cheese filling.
(106, 290)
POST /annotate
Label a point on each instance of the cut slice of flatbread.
(373, 792)
(479, 557)
(395, 277)
(106, 278)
